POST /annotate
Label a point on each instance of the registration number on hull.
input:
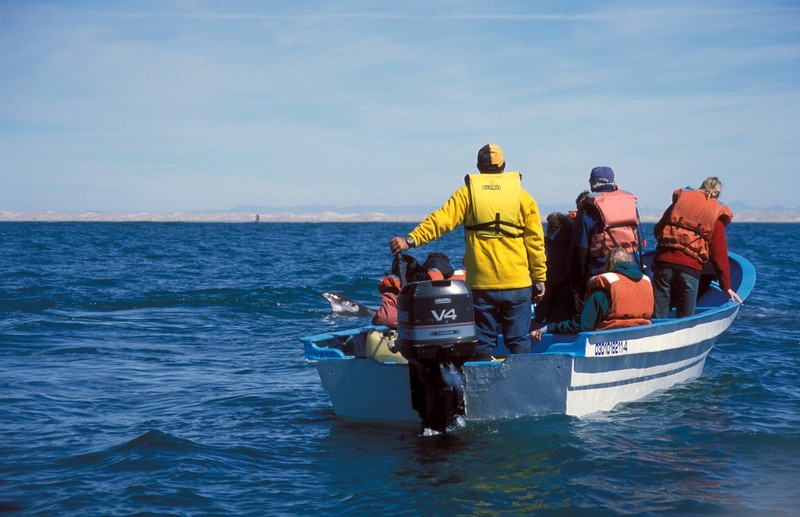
(607, 348)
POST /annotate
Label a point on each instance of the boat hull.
(365, 389)
(564, 374)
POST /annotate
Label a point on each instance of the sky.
(163, 106)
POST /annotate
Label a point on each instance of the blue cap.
(602, 173)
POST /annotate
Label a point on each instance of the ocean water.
(155, 369)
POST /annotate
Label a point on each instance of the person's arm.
(533, 237)
(438, 223)
(398, 245)
(642, 240)
(718, 255)
(594, 309)
(387, 313)
(659, 226)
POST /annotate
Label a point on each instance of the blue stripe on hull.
(640, 379)
(643, 360)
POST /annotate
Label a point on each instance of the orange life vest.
(631, 301)
(691, 223)
(619, 220)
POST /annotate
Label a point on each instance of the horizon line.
(742, 216)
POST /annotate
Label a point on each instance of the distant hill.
(356, 213)
(316, 209)
(742, 211)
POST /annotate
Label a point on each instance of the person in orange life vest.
(389, 287)
(504, 254)
(620, 297)
(606, 218)
(557, 303)
(691, 232)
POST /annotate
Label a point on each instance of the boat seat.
(377, 347)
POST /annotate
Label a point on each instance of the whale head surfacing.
(345, 306)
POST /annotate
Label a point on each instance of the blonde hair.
(615, 256)
(711, 187)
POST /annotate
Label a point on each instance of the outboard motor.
(436, 328)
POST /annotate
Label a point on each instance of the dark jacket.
(558, 302)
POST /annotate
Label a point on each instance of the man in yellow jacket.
(504, 254)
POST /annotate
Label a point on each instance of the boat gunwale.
(574, 345)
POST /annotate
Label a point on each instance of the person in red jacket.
(389, 287)
(690, 233)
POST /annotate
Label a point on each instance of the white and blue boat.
(575, 374)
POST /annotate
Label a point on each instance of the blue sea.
(156, 369)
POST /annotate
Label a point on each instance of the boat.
(368, 379)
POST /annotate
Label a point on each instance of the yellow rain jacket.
(491, 262)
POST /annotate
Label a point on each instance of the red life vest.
(631, 301)
(619, 220)
(691, 221)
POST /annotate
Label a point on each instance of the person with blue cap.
(607, 218)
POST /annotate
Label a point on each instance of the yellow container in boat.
(378, 347)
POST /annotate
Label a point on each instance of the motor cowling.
(436, 321)
(436, 332)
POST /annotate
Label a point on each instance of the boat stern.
(520, 385)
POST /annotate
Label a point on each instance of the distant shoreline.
(743, 216)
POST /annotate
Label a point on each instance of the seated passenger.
(438, 267)
(389, 287)
(620, 297)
